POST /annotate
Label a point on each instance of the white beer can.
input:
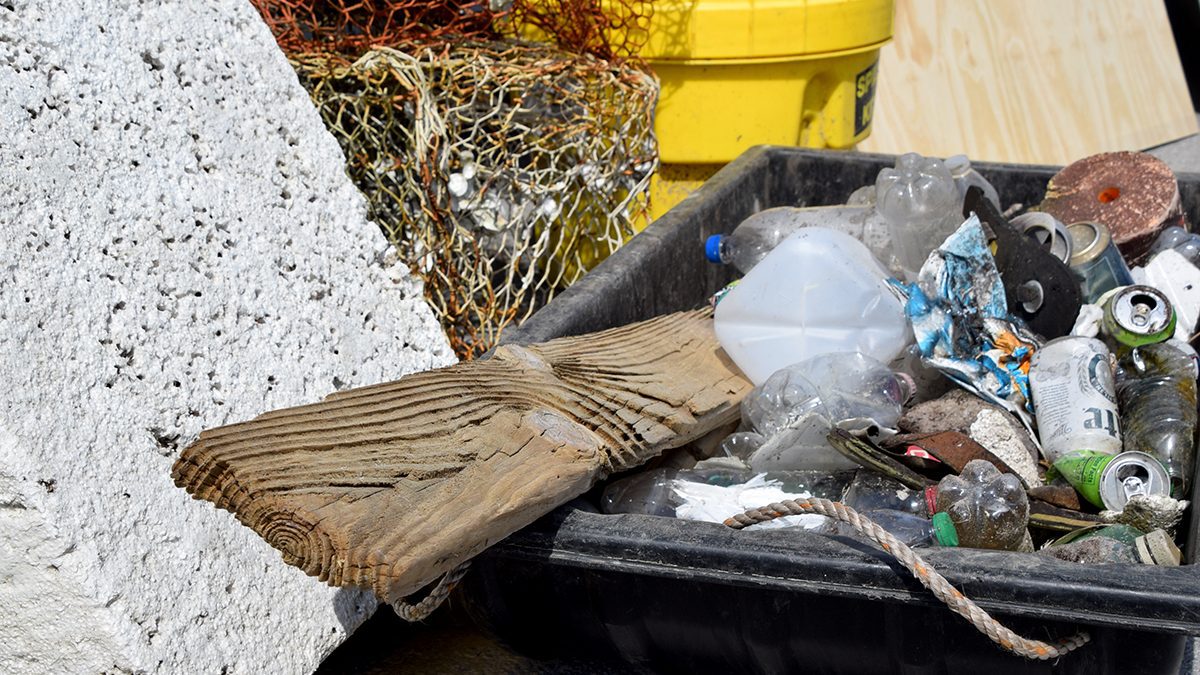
(1074, 397)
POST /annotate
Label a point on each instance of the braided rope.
(941, 588)
(420, 610)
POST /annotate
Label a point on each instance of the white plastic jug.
(819, 291)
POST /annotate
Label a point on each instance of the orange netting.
(603, 28)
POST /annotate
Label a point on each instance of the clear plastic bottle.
(794, 410)
(863, 196)
(914, 530)
(1179, 239)
(920, 201)
(965, 176)
(1156, 394)
(872, 491)
(819, 291)
(762, 232)
(989, 509)
(648, 493)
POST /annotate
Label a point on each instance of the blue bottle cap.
(712, 248)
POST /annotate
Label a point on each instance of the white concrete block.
(179, 249)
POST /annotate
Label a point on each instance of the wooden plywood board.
(1029, 81)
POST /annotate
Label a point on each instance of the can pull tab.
(1135, 480)
(1134, 486)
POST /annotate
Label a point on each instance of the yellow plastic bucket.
(739, 73)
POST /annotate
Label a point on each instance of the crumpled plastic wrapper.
(715, 503)
(960, 318)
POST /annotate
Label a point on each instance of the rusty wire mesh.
(500, 170)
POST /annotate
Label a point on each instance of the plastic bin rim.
(764, 60)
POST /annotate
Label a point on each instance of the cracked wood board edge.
(392, 485)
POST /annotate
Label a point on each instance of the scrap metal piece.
(873, 457)
(954, 449)
(1020, 261)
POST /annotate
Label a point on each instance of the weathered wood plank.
(391, 485)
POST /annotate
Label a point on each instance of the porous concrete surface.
(180, 249)
(986, 423)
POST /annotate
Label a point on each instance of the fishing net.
(604, 28)
(501, 169)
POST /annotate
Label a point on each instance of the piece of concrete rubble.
(987, 424)
(182, 249)
(1149, 512)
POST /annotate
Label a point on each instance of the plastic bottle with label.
(762, 232)
(965, 176)
(820, 291)
(1156, 394)
(989, 509)
(794, 410)
(920, 201)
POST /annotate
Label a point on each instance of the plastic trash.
(960, 319)
(819, 291)
(965, 176)
(1175, 238)
(863, 196)
(713, 495)
(762, 232)
(873, 491)
(912, 529)
(648, 492)
(1156, 392)
(921, 203)
(1170, 272)
(989, 509)
(794, 410)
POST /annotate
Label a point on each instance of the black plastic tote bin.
(697, 597)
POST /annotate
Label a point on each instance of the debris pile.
(1066, 330)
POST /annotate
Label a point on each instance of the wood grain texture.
(1029, 81)
(392, 485)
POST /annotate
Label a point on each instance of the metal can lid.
(1140, 311)
(1088, 241)
(1130, 474)
(943, 529)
